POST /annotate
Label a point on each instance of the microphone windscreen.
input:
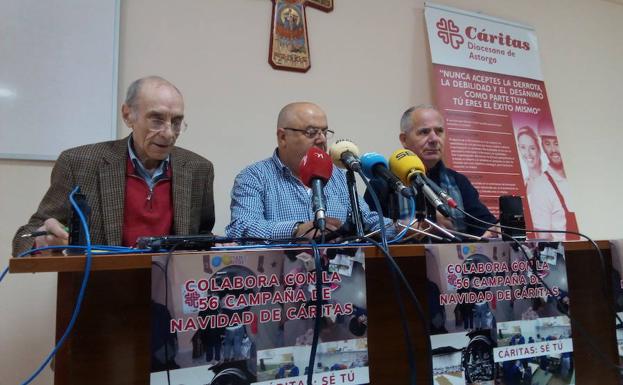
(403, 163)
(316, 164)
(369, 160)
(339, 147)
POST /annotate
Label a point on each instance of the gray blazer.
(99, 169)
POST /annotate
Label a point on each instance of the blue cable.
(108, 249)
(85, 280)
(6, 270)
(379, 210)
(284, 246)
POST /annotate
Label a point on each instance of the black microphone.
(374, 165)
(440, 192)
(77, 235)
(432, 197)
(386, 196)
(180, 242)
(512, 218)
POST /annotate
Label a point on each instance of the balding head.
(297, 113)
(134, 90)
(292, 142)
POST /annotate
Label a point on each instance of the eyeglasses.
(312, 132)
(177, 126)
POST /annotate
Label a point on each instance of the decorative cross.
(289, 49)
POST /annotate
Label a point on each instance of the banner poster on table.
(616, 251)
(247, 317)
(499, 129)
(492, 320)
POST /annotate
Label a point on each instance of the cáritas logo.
(450, 34)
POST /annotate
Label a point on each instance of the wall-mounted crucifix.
(289, 48)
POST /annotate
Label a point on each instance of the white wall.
(370, 61)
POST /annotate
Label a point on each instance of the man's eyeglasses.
(312, 132)
(177, 126)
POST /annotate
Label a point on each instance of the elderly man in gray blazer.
(142, 185)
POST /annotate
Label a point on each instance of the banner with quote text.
(247, 317)
(499, 128)
(497, 314)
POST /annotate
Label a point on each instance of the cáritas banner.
(497, 314)
(499, 129)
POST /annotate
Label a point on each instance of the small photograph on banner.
(497, 314)
(343, 359)
(248, 318)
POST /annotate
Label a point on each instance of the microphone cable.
(394, 271)
(4, 272)
(165, 269)
(602, 260)
(319, 313)
(79, 300)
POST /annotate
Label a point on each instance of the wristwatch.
(296, 229)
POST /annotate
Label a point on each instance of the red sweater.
(146, 212)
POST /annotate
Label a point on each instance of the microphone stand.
(442, 229)
(426, 212)
(431, 211)
(421, 205)
(417, 231)
(354, 203)
(393, 212)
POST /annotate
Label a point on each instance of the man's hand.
(57, 236)
(306, 229)
(443, 221)
(493, 232)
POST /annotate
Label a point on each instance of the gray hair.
(135, 88)
(406, 123)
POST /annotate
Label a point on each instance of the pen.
(35, 234)
(38, 233)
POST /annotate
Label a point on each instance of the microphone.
(345, 154)
(374, 165)
(315, 171)
(410, 169)
(387, 198)
(439, 191)
(180, 242)
(77, 235)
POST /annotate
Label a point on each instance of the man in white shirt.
(549, 194)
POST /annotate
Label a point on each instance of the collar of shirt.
(150, 178)
(287, 173)
(435, 172)
(555, 175)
